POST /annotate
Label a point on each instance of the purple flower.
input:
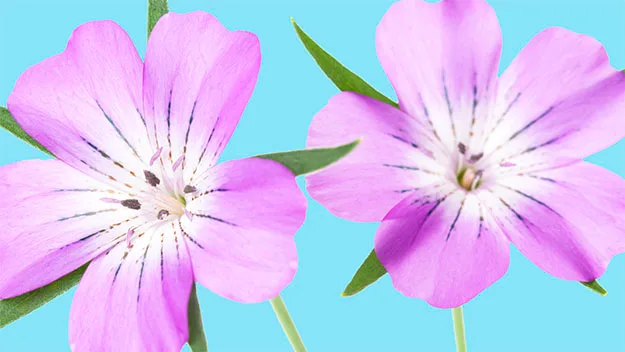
(136, 189)
(471, 161)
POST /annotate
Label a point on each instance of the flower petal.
(442, 246)
(560, 98)
(198, 78)
(245, 215)
(567, 221)
(52, 223)
(135, 299)
(393, 157)
(84, 105)
(442, 59)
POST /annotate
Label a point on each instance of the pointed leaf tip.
(343, 78)
(156, 10)
(595, 287)
(368, 273)
(308, 160)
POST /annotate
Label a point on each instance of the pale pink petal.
(442, 59)
(52, 223)
(245, 215)
(441, 245)
(84, 105)
(568, 221)
(392, 158)
(560, 98)
(198, 78)
(135, 299)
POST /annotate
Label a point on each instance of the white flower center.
(162, 199)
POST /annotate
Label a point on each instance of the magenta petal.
(442, 59)
(390, 159)
(560, 98)
(84, 104)
(135, 299)
(567, 221)
(52, 222)
(198, 78)
(442, 246)
(241, 237)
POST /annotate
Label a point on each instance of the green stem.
(287, 324)
(461, 342)
(197, 338)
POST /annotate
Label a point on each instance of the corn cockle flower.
(137, 190)
(471, 161)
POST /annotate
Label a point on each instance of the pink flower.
(472, 161)
(136, 190)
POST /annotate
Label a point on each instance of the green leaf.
(8, 122)
(14, 308)
(197, 338)
(369, 272)
(343, 78)
(308, 160)
(595, 286)
(156, 9)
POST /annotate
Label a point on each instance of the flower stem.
(461, 343)
(287, 324)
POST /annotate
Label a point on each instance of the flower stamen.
(177, 163)
(189, 189)
(133, 204)
(151, 178)
(156, 156)
(162, 214)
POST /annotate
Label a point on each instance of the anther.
(162, 214)
(189, 189)
(177, 163)
(476, 157)
(151, 178)
(156, 155)
(462, 148)
(131, 204)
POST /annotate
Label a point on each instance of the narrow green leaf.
(595, 287)
(369, 272)
(343, 78)
(308, 160)
(8, 123)
(14, 308)
(156, 9)
(197, 338)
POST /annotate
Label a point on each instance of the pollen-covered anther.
(151, 178)
(189, 189)
(162, 214)
(462, 148)
(133, 204)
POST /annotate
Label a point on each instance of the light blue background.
(525, 311)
